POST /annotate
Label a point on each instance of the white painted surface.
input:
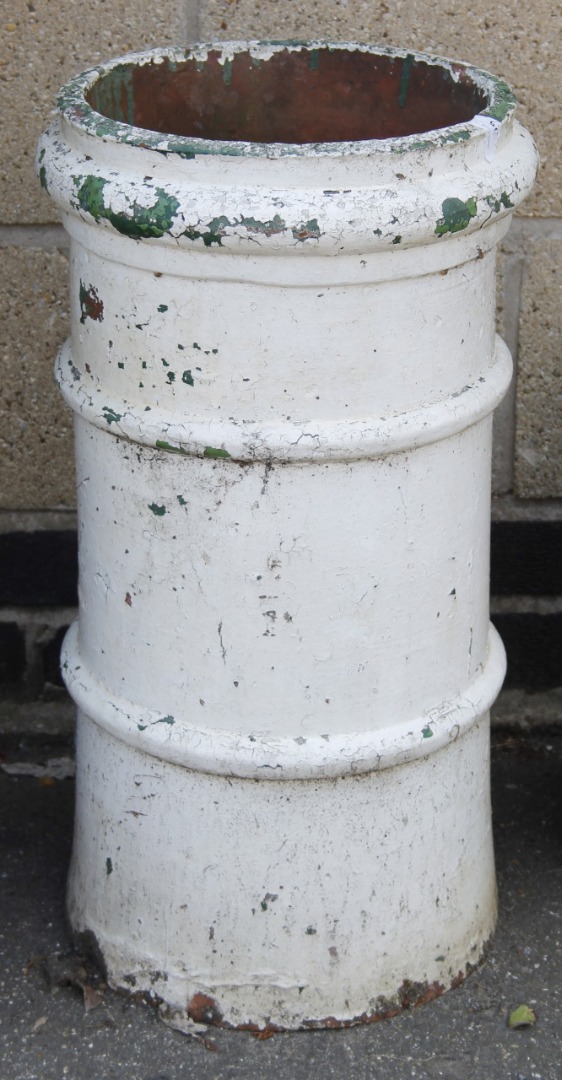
(283, 662)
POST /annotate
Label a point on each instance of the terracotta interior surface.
(305, 96)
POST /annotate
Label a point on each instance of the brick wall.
(42, 44)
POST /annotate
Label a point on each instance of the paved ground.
(52, 1028)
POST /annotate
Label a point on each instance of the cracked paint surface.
(281, 621)
(158, 210)
(139, 222)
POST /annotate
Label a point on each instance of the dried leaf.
(34, 962)
(92, 998)
(178, 1021)
(64, 969)
(522, 1016)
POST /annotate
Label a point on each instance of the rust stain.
(91, 306)
(203, 1009)
(349, 95)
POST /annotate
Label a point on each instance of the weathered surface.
(37, 469)
(522, 42)
(283, 366)
(538, 446)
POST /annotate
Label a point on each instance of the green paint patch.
(456, 215)
(162, 307)
(120, 365)
(214, 452)
(90, 195)
(158, 511)
(272, 227)
(76, 373)
(181, 500)
(427, 732)
(171, 376)
(227, 72)
(160, 444)
(139, 222)
(187, 378)
(91, 307)
(213, 234)
(214, 231)
(397, 240)
(110, 416)
(108, 866)
(314, 62)
(404, 80)
(456, 136)
(307, 230)
(164, 720)
(142, 727)
(43, 178)
(114, 94)
(503, 104)
(496, 205)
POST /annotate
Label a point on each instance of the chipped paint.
(91, 307)
(498, 204)
(215, 452)
(227, 72)
(203, 1009)
(110, 416)
(116, 123)
(457, 214)
(213, 232)
(272, 227)
(214, 579)
(307, 230)
(161, 444)
(139, 222)
(404, 80)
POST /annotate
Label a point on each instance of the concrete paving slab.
(47, 1033)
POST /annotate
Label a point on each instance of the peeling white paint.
(283, 367)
